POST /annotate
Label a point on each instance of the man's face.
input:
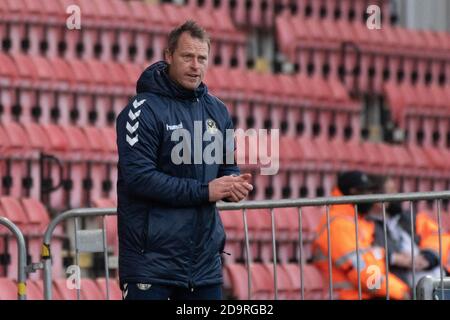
(188, 62)
(390, 186)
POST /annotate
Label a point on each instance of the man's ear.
(168, 56)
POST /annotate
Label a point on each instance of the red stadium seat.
(18, 147)
(37, 136)
(39, 284)
(311, 218)
(234, 229)
(262, 281)
(62, 292)
(283, 222)
(34, 291)
(36, 212)
(419, 158)
(284, 283)
(259, 224)
(114, 290)
(8, 289)
(103, 203)
(314, 286)
(90, 290)
(236, 278)
(14, 211)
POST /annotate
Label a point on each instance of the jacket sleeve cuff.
(431, 257)
(390, 256)
(204, 193)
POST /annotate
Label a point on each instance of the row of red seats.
(32, 218)
(421, 110)
(91, 289)
(426, 131)
(32, 91)
(278, 89)
(72, 145)
(316, 46)
(289, 105)
(262, 276)
(261, 14)
(417, 99)
(323, 154)
(92, 76)
(88, 75)
(43, 89)
(127, 14)
(259, 223)
(90, 142)
(87, 158)
(295, 104)
(291, 101)
(389, 39)
(317, 183)
(123, 30)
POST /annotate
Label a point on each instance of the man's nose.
(195, 64)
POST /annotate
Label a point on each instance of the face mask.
(394, 208)
(364, 207)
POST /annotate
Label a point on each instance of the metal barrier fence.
(22, 251)
(270, 204)
(327, 202)
(430, 288)
(85, 241)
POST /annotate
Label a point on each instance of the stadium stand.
(261, 14)
(61, 90)
(101, 38)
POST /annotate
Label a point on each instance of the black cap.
(354, 179)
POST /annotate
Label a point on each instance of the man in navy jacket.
(170, 233)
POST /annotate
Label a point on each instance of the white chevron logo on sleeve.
(132, 141)
(137, 104)
(134, 116)
(132, 129)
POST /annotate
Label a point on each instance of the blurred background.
(348, 89)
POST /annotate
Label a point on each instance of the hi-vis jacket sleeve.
(428, 231)
(371, 262)
(138, 153)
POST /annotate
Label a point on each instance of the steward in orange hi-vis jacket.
(398, 227)
(428, 232)
(343, 247)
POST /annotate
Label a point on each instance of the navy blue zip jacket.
(169, 232)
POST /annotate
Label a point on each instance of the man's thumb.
(246, 176)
